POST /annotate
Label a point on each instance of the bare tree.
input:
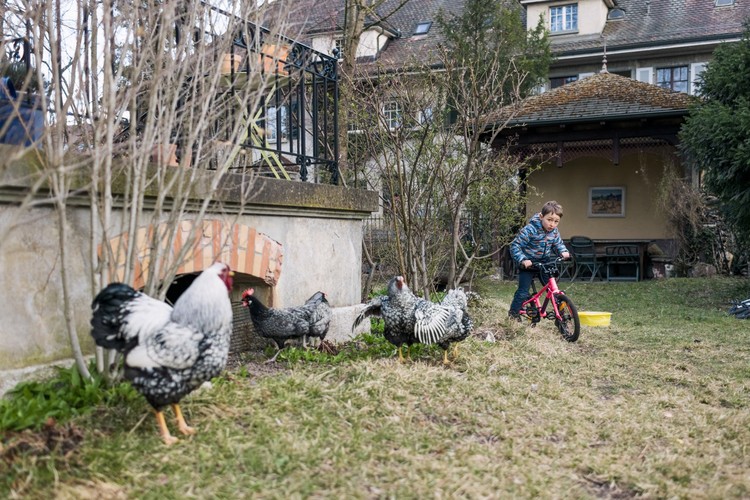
(452, 199)
(359, 15)
(146, 119)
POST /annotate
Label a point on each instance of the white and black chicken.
(410, 319)
(310, 320)
(168, 351)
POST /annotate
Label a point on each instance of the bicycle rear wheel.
(570, 326)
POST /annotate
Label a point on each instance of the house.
(614, 137)
(606, 145)
(661, 42)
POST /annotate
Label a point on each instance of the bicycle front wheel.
(569, 325)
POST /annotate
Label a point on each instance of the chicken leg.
(401, 355)
(278, 351)
(163, 430)
(181, 424)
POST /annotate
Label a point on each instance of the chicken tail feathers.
(373, 308)
(107, 318)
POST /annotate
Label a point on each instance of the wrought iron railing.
(295, 135)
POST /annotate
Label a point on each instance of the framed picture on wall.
(607, 202)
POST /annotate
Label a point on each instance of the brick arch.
(239, 245)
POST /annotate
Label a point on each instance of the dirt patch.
(601, 488)
(51, 438)
(91, 490)
(263, 369)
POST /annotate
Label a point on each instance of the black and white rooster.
(168, 351)
(310, 320)
(410, 319)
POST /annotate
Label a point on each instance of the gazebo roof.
(603, 96)
(604, 111)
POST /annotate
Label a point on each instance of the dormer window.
(563, 18)
(724, 3)
(422, 28)
(615, 14)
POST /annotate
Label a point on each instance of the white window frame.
(393, 114)
(338, 45)
(645, 75)
(695, 71)
(271, 122)
(568, 18)
(289, 124)
(426, 115)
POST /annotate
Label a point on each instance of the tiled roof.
(657, 22)
(320, 16)
(600, 97)
(645, 23)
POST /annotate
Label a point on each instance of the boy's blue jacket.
(536, 244)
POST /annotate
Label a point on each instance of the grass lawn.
(655, 406)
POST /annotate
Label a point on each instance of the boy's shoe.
(514, 316)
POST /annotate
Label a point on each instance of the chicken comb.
(248, 292)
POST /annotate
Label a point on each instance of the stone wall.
(308, 238)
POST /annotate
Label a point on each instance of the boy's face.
(550, 221)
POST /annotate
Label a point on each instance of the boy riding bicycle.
(534, 243)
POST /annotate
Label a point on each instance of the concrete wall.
(318, 227)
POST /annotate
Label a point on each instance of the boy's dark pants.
(525, 278)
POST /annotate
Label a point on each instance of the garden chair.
(585, 259)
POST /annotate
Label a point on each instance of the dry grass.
(654, 406)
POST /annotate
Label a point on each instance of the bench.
(623, 262)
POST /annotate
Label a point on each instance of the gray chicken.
(310, 320)
(457, 299)
(410, 319)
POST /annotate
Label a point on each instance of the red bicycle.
(563, 312)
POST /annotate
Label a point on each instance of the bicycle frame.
(549, 290)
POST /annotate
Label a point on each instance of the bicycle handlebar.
(548, 266)
(536, 263)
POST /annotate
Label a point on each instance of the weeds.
(654, 406)
(66, 395)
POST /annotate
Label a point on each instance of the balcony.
(293, 133)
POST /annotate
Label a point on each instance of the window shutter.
(695, 71)
(645, 75)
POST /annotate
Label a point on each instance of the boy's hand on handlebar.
(526, 263)
(565, 255)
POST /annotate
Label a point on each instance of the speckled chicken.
(454, 334)
(168, 352)
(310, 320)
(410, 319)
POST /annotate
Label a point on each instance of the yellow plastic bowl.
(594, 318)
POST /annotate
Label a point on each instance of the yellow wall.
(639, 173)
